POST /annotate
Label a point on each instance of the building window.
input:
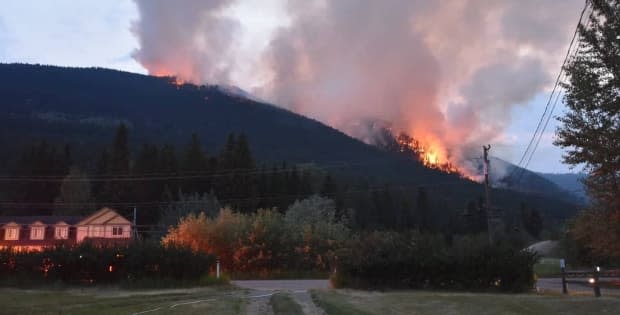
(117, 231)
(11, 234)
(62, 233)
(37, 233)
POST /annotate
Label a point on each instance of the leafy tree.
(187, 204)
(590, 130)
(75, 194)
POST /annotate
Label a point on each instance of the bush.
(137, 262)
(408, 260)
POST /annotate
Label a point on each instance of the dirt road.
(297, 289)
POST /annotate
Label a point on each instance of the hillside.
(84, 106)
(570, 182)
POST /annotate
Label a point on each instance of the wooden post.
(597, 287)
(563, 268)
(217, 269)
(487, 203)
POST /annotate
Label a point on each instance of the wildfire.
(172, 79)
(431, 153)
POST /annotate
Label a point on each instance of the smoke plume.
(448, 72)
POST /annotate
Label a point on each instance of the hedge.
(86, 264)
(383, 260)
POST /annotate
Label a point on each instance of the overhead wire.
(550, 104)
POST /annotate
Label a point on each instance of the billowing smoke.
(448, 72)
(188, 39)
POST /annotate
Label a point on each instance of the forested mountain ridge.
(82, 107)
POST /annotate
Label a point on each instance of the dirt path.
(307, 305)
(297, 289)
(258, 303)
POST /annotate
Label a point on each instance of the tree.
(118, 165)
(74, 197)
(422, 208)
(532, 221)
(590, 130)
(195, 163)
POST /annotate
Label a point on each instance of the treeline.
(137, 264)
(158, 178)
(165, 183)
(381, 260)
(309, 240)
(299, 243)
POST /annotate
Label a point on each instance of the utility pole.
(487, 203)
(135, 226)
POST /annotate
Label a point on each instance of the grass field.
(547, 267)
(223, 300)
(424, 302)
(231, 301)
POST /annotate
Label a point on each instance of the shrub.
(114, 264)
(410, 260)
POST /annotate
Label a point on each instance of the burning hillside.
(430, 151)
(432, 155)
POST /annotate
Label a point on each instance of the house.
(37, 232)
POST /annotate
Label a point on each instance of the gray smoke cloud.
(187, 38)
(449, 72)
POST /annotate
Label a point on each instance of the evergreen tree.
(168, 164)
(242, 153)
(422, 208)
(116, 192)
(531, 220)
(39, 160)
(195, 164)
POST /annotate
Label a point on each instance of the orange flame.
(430, 151)
(173, 79)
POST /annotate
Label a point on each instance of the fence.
(593, 277)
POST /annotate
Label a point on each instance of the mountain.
(83, 107)
(570, 182)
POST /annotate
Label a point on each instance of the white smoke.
(447, 71)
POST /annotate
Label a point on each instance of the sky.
(104, 34)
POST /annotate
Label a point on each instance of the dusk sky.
(103, 34)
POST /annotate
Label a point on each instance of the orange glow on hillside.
(430, 151)
(173, 79)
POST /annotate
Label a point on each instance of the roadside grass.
(344, 302)
(335, 303)
(222, 300)
(283, 304)
(547, 267)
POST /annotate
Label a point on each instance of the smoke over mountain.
(447, 72)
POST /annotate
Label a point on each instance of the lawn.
(223, 300)
(547, 267)
(346, 302)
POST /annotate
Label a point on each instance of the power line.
(196, 175)
(377, 188)
(545, 117)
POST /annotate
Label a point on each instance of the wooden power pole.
(487, 190)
